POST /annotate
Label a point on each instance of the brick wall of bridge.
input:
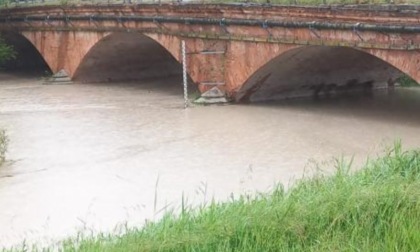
(246, 49)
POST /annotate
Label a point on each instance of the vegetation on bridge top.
(11, 3)
(318, 2)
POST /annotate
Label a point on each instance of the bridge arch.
(314, 70)
(28, 57)
(129, 56)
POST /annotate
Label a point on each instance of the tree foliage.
(4, 141)
(7, 52)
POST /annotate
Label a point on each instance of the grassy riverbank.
(374, 209)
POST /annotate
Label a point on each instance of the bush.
(4, 141)
(7, 52)
(406, 81)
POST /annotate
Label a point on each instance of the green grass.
(10, 3)
(317, 2)
(374, 209)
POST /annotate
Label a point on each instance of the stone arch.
(407, 62)
(63, 49)
(28, 58)
(308, 70)
(128, 56)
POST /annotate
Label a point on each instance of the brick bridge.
(250, 52)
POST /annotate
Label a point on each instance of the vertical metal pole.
(184, 73)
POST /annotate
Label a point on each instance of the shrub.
(4, 141)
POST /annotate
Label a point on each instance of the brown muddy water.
(92, 156)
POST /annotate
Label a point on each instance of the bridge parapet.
(381, 14)
(229, 21)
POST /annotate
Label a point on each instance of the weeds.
(374, 209)
(4, 141)
(10, 3)
(7, 52)
(406, 81)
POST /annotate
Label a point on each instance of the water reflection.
(401, 105)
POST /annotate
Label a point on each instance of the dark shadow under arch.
(28, 59)
(127, 57)
(316, 71)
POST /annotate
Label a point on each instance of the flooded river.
(90, 156)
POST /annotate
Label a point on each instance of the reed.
(376, 208)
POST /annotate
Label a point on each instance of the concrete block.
(215, 92)
(61, 77)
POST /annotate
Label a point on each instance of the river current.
(95, 156)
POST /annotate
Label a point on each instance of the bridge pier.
(63, 50)
(207, 66)
(61, 77)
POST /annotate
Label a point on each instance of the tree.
(7, 52)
